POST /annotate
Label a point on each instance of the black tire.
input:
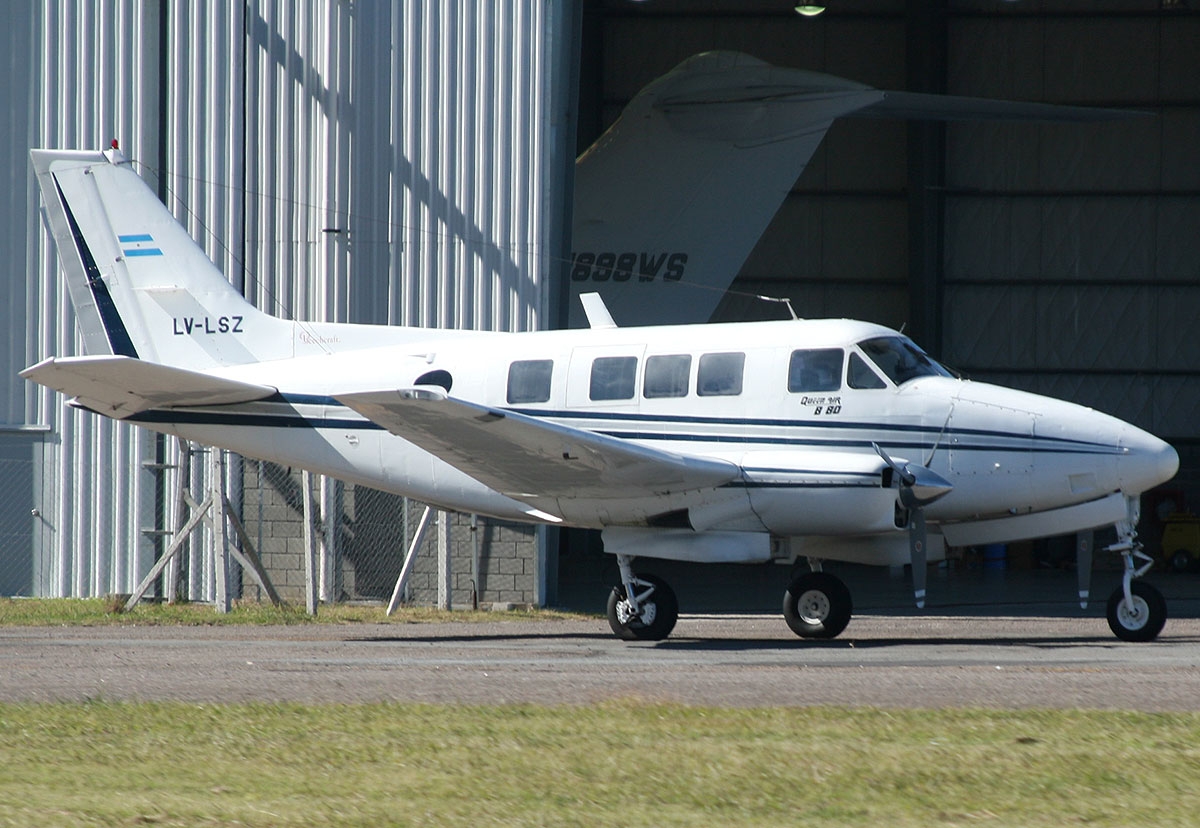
(817, 605)
(1180, 560)
(658, 612)
(1147, 617)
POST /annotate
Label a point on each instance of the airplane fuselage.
(797, 405)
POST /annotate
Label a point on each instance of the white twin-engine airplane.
(741, 442)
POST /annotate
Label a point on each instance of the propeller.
(918, 488)
(1083, 565)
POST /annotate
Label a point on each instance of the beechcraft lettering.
(188, 326)
(621, 267)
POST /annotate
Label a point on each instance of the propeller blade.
(1083, 565)
(916, 548)
(906, 477)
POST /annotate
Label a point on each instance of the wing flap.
(528, 458)
(120, 386)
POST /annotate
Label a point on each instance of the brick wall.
(373, 532)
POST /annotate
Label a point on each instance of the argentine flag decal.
(140, 244)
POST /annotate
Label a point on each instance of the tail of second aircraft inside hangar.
(678, 191)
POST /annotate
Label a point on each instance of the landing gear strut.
(1136, 610)
(641, 607)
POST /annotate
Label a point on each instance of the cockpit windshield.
(900, 359)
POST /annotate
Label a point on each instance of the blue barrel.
(995, 556)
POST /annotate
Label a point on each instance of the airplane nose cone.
(1146, 461)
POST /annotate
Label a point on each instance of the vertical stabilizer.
(678, 191)
(141, 286)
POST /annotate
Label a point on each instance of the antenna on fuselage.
(779, 300)
(596, 311)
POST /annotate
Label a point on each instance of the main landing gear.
(1136, 611)
(644, 607)
(641, 607)
(817, 605)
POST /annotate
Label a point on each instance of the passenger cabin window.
(667, 376)
(529, 380)
(720, 375)
(815, 370)
(860, 375)
(613, 378)
(900, 359)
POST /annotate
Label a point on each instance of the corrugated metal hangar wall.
(1063, 259)
(365, 162)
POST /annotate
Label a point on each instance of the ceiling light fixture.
(809, 9)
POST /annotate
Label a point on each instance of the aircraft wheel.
(1142, 621)
(817, 605)
(657, 615)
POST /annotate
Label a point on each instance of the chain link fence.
(103, 524)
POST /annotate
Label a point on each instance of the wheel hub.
(1133, 613)
(813, 606)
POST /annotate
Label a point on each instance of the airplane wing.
(526, 457)
(120, 386)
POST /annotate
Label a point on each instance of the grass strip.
(625, 763)
(91, 612)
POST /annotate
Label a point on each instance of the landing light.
(809, 10)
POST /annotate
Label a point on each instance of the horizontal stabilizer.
(922, 106)
(528, 458)
(119, 386)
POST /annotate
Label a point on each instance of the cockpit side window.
(860, 375)
(815, 370)
(901, 360)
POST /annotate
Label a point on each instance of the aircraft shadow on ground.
(459, 638)
(849, 643)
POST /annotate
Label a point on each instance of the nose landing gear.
(1136, 611)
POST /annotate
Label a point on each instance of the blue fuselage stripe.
(286, 415)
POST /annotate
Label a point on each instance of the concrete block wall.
(373, 532)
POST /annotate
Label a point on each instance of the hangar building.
(413, 165)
